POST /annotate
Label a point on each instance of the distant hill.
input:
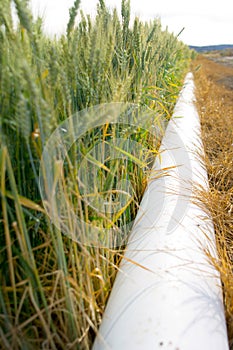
(211, 48)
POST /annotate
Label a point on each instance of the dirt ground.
(218, 69)
(214, 94)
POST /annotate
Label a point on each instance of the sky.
(205, 22)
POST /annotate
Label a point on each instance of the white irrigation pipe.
(167, 295)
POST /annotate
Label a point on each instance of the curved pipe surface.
(167, 294)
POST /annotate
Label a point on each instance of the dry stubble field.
(214, 93)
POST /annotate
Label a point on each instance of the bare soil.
(218, 69)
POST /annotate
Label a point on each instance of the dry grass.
(215, 105)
